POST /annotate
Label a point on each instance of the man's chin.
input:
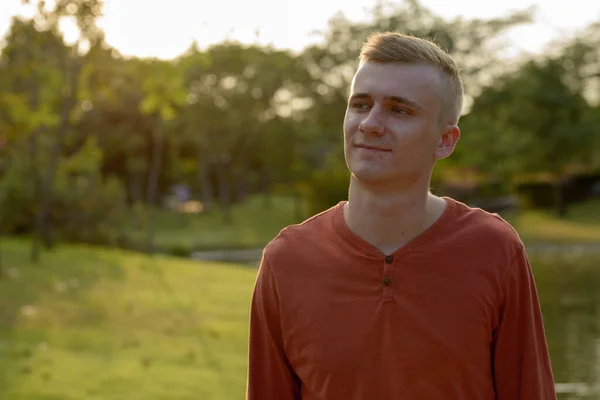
(371, 178)
(382, 180)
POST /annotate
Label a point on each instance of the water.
(569, 289)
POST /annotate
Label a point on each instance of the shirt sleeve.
(270, 375)
(521, 362)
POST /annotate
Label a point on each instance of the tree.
(531, 122)
(32, 62)
(68, 58)
(234, 93)
(164, 94)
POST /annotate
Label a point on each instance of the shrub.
(325, 189)
(86, 207)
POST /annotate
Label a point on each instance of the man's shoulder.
(302, 236)
(488, 228)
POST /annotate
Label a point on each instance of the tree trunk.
(241, 185)
(224, 193)
(265, 187)
(36, 179)
(1, 264)
(37, 189)
(136, 185)
(134, 193)
(208, 197)
(203, 165)
(153, 176)
(298, 214)
(559, 198)
(155, 167)
(43, 224)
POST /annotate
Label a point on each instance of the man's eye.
(399, 110)
(360, 105)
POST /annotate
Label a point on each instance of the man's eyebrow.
(404, 100)
(397, 99)
(360, 96)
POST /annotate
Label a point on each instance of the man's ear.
(447, 142)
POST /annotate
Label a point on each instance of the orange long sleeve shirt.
(454, 314)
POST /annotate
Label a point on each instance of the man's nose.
(373, 123)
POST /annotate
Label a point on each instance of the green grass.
(253, 224)
(582, 224)
(104, 324)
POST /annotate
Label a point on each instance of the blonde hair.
(392, 47)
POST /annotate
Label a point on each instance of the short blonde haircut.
(392, 47)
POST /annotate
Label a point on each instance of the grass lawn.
(582, 224)
(104, 324)
(253, 225)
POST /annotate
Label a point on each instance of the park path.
(252, 256)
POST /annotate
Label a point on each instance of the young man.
(397, 293)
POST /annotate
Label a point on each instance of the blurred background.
(150, 149)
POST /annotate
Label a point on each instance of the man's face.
(392, 129)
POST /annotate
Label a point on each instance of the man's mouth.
(371, 148)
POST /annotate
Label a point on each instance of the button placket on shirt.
(387, 281)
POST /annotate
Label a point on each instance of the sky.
(165, 28)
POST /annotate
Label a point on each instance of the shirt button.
(387, 281)
(389, 259)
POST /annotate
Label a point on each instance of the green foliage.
(16, 195)
(87, 207)
(327, 186)
(233, 119)
(536, 194)
(90, 207)
(493, 189)
(179, 250)
(540, 193)
(31, 95)
(535, 120)
(501, 125)
(325, 190)
(163, 89)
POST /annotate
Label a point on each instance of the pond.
(569, 290)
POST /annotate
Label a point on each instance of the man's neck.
(390, 220)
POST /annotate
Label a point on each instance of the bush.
(579, 187)
(90, 208)
(541, 194)
(92, 213)
(16, 197)
(86, 207)
(493, 190)
(180, 250)
(325, 190)
(536, 194)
